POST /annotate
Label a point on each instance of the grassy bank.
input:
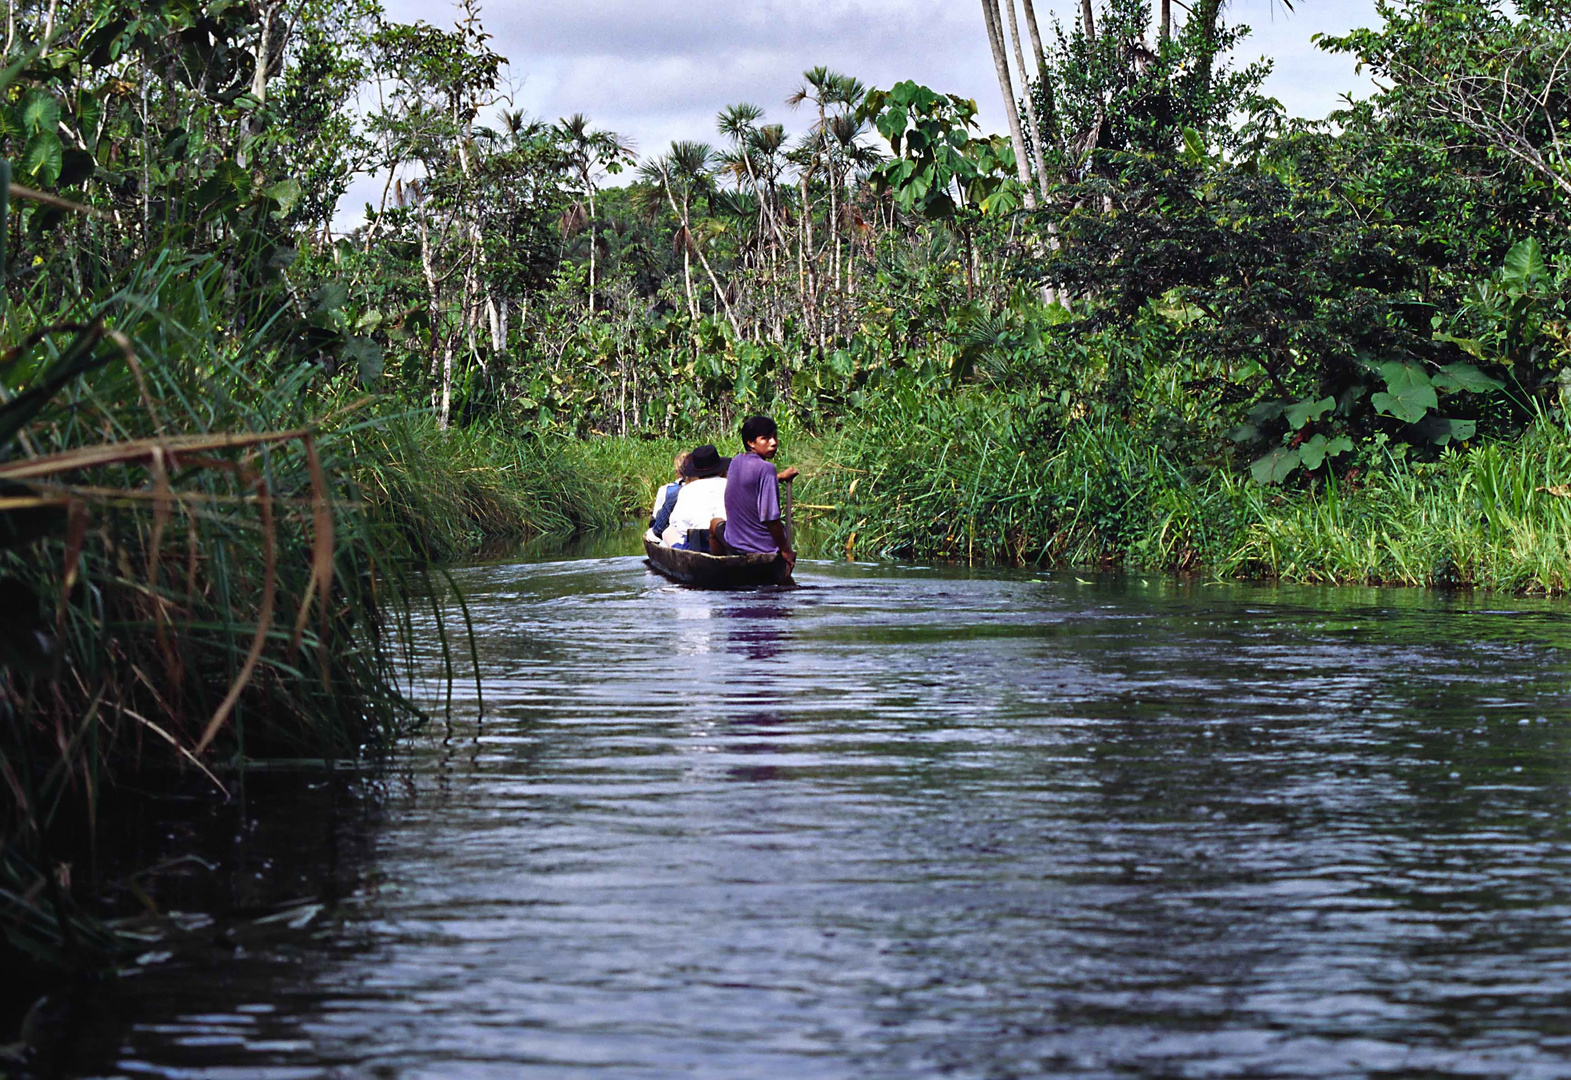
(448, 494)
(977, 486)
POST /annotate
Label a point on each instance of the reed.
(191, 580)
(450, 493)
(967, 480)
(1497, 517)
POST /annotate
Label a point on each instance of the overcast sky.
(657, 70)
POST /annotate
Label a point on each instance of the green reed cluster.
(191, 578)
(973, 480)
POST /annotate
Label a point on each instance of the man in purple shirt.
(752, 494)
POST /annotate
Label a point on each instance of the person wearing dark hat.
(702, 499)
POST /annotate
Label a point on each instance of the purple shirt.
(752, 497)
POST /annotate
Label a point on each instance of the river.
(910, 821)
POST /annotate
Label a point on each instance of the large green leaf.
(1472, 346)
(1409, 392)
(1275, 467)
(365, 355)
(42, 158)
(1465, 377)
(1315, 450)
(41, 112)
(1265, 411)
(286, 193)
(1524, 262)
(1441, 430)
(1302, 412)
(226, 188)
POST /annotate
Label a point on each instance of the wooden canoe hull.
(705, 571)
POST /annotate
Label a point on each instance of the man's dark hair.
(755, 427)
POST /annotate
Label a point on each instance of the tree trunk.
(1206, 14)
(252, 126)
(810, 308)
(445, 410)
(995, 38)
(1049, 119)
(1166, 30)
(264, 48)
(765, 209)
(1036, 40)
(687, 278)
(719, 293)
(49, 24)
(1087, 21)
(687, 246)
(590, 185)
(834, 205)
(1031, 117)
(433, 288)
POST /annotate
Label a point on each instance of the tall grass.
(449, 493)
(190, 579)
(1498, 517)
(968, 479)
(208, 554)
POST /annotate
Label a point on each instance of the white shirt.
(699, 503)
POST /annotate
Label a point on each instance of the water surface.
(913, 821)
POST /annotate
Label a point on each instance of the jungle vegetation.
(1157, 323)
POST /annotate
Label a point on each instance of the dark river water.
(911, 821)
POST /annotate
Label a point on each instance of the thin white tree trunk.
(590, 185)
(445, 411)
(1047, 292)
(428, 267)
(1031, 117)
(719, 293)
(810, 308)
(264, 48)
(765, 210)
(687, 244)
(687, 277)
(995, 38)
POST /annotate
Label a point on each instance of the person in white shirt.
(702, 500)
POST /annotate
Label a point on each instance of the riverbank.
(1494, 516)
(1094, 495)
(980, 488)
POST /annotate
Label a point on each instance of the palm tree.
(826, 146)
(685, 172)
(589, 152)
(739, 123)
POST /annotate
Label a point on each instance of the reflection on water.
(913, 821)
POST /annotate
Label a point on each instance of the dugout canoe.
(704, 571)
